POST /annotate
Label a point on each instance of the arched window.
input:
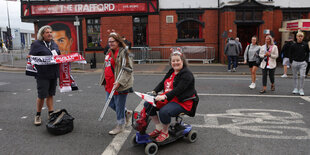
(189, 27)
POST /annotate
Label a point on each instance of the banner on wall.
(64, 34)
(69, 9)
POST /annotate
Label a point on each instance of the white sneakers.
(301, 92)
(118, 129)
(284, 76)
(295, 91)
(37, 120)
(252, 85)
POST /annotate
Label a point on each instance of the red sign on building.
(73, 9)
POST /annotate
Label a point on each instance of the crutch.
(112, 92)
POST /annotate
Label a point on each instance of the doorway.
(245, 34)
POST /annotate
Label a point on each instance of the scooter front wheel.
(151, 149)
(192, 136)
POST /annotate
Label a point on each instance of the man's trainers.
(128, 116)
(295, 91)
(284, 76)
(301, 92)
(234, 69)
(37, 120)
(118, 129)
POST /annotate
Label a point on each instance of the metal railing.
(12, 57)
(192, 53)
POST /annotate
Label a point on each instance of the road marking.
(14, 93)
(250, 95)
(24, 117)
(58, 100)
(259, 123)
(3, 83)
(70, 95)
(114, 147)
(215, 78)
(307, 98)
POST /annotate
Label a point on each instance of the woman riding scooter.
(178, 88)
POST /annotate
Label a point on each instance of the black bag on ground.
(60, 122)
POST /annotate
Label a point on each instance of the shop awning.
(295, 25)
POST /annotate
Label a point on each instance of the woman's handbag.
(258, 60)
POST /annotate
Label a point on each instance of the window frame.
(93, 24)
(198, 21)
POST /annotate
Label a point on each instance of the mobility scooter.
(177, 130)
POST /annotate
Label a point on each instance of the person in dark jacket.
(299, 55)
(47, 75)
(178, 88)
(286, 55)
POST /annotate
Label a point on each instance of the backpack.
(60, 122)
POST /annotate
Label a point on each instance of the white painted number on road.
(259, 123)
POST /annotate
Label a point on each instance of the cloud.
(14, 14)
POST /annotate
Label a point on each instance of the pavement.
(151, 68)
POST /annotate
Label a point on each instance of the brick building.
(165, 23)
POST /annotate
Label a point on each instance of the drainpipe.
(218, 29)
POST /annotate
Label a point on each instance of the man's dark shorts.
(46, 87)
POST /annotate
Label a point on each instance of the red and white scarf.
(66, 81)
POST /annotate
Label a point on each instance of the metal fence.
(192, 53)
(12, 57)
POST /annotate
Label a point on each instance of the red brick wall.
(277, 23)
(268, 24)
(84, 33)
(226, 24)
(168, 32)
(153, 30)
(121, 24)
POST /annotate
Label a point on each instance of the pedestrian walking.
(115, 76)
(47, 75)
(285, 52)
(239, 48)
(308, 67)
(269, 53)
(232, 52)
(299, 53)
(251, 57)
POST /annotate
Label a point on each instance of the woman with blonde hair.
(269, 53)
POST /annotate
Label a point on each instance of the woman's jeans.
(301, 68)
(169, 110)
(118, 105)
(271, 75)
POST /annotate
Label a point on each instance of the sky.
(14, 12)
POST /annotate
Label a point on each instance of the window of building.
(93, 33)
(139, 30)
(249, 15)
(294, 14)
(190, 27)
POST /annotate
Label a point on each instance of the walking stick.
(112, 92)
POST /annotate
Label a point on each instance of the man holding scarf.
(47, 75)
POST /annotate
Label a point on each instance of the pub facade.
(154, 23)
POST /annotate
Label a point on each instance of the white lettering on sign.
(259, 123)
